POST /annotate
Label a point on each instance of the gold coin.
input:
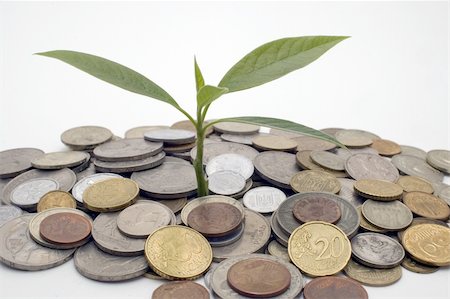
(378, 189)
(110, 195)
(56, 199)
(386, 147)
(319, 248)
(371, 276)
(178, 252)
(413, 183)
(426, 205)
(315, 181)
(428, 244)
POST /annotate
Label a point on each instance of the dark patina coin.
(181, 290)
(317, 209)
(334, 287)
(65, 228)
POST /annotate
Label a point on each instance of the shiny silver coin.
(85, 137)
(236, 128)
(439, 159)
(390, 215)
(264, 199)
(278, 232)
(211, 150)
(130, 166)
(233, 162)
(248, 185)
(348, 193)
(127, 150)
(28, 194)
(276, 167)
(9, 212)
(98, 265)
(170, 136)
(413, 151)
(83, 184)
(17, 160)
(59, 160)
(228, 239)
(328, 160)
(369, 166)
(19, 251)
(138, 132)
(414, 166)
(243, 139)
(225, 182)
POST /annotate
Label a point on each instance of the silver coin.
(255, 237)
(83, 184)
(98, 265)
(331, 131)
(3, 183)
(169, 180)
(19, 251)
(276, 167)
(235, 128)
(276, 249)
(308, 143)
(348, 193)
(130, 166)
(355, 138)
(185, 156)
(243, 139)
(390, 215)
(35, 224)
(169, 159)
(285, 133)
(65, 177)
(9, 212)
(377, 250)
(248, 185)
(108, 238)
(83, 166)
(220, 285)
(328, 160)
(143, 218)
(439, 159)
(17, 160)
(413, 151)
(28, 194)
(138, 132)
(228, 239)
(85, 137)
(127, 150)
(90, 170)
(414, 166)
(264, 199)
(175, 205)
(345, 153)
(170, 136)
(278, 232)
(207, 278)
(369, 166)
(233, 162)
(211, 150)
(225, 182)
(444, 193)
(59, 160)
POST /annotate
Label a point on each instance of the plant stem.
(202, 184)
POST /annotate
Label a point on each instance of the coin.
(84, 183)
(371, 276)
(233, 162)
(328, 160)
(21, 252)
(444, 194)
(85, 164)
(138, 132)
(308, 143)
(367, 226)
(276, 249)
(414, 266)
(413, 151)
(439, 159)
(85, 137)
(240, 194)
(225, 182)
(243, 139)
(59, 160)
(274, 143)
(9, 212)
(258, 277)
(90, 170)
(276, 167)
(353, 138)
(98, 265)
(227, 239)
(303, 159)
(427, 205)
(181, 290)
(129, 149)
(386, 147)
(413, 183)
(189, 126)
(170, 136)
(369, 166)
(28, 194)
(378, 189)
(348, 193)
(377, 250)
(17, 160)
(414, 166)
(428, 243)
(56, 199)
(65, 228)
(110, 195)
(334, 287)
(392, 215)
(264, 199)
(235, 128)
(314, 181)
(279, 234)
(130, 166)
(318, 248)
(317, 209)
(331, 131)
(210, 150)
(178, 252)
(176, 205)
(346, 153)
(179, 148)
(420, 220)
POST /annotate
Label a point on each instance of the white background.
(391, 78)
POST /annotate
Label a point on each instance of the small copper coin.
(386, 147)
(215, 219)
(259, 278)
(334, 287)
(317, 209)
(65, 228)
(181, 290)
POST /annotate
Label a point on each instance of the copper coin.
(386, 147)
(65, 228)
(215, 219)
(334, 287)
(259, 278)
(181, 290)
(317, 209)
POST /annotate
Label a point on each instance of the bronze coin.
(386, 147)
(334, 287)
(215, 219)
(65, 228)
(259, 278)
(317, 209)
(181, 290)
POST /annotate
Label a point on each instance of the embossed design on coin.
(369, 166)
(334, 287)
(9, 212)
(180, 290)
(211, 150)
(277, 168)
(65, 228)
(17, 160)
(371, 276)
(348, 193)
(127, 150)
(225, 182)
(314, 181)
(378, 189)
(412, 183)
(392, 215)
(420, 220)
(414, 166)
(232, 162)
(317, 209)
(28, 194)
(85, 137)
(427, 205)
(84, 183)
(264, 199)
(56, 199)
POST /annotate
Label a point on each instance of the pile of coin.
(126, 208)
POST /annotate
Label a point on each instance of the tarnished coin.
(235, 128)
(414, 166)
(317, 209)
(28, 194)
(371, 276)
(369, 166)
(138, 132)
(334, 287)
(233, 162)
(17, 160)
(65, 228)
(98, 265)
(348, 193)
(170, 136)
(377, 250)
(314, 181)
(378, 189)
(225, 182)
(386, 147)
(413, 151)
(59, 160)
(355, 138)
(428, 243)
(392, 215)
(130, 166)
(274, 143)
(413, 183)
(439, 159)
(85, 137)
(319, 248)
(276, 249)
(228, 239)
(180, 290)
(19, 251)
(278, 232)
(303, 159)
(211, 150)
(328, 160)
(276, 167)
(84, 183)
(127, 150)
(9, 212)
(259, 277)
(414, 266)
(178, 252)
(243, 139)
(56, 199)
(110, 195)
(308, 143)
(264, 199)
(427, 205)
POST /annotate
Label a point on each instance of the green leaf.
(276, 59)
(207, 94)
(199, 81)
(283, 125)
(113, 73)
